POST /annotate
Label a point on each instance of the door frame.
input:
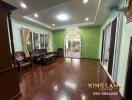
(65, 46)
(112, 46)
(104, 34)
(103, 45)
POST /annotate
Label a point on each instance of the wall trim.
(107, 73)
(91, 59)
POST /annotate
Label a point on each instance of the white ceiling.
(95, 10)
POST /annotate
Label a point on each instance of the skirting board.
(91, 59)
(84, 58)
(110, 77)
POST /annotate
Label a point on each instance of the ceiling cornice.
(67, 26)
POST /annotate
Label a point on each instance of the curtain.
(25, 34)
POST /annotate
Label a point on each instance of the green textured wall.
(58, 39)
(90, 42)
(90, 37)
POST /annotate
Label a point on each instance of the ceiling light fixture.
(62, 17)
(86, 19)
(23, 5)
(53, 25)
(36, 15)
(72, 28)
(85, 1)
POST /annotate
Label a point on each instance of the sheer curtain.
(25, 34)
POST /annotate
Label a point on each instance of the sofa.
(39, 55)
(22, 61)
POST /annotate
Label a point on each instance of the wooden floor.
(65, 79)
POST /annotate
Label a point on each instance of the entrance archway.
(72, 44)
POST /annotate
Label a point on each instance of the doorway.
(73, 44)
(128, 86)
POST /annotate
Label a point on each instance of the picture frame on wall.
(36, 40)
(42, 45)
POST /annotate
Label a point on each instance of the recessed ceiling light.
(23, 5)
(53, 25)
(36, 15)
(85, 1)
(86, 19)
(62, 17)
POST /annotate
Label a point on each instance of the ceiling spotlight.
(36, 15)
(85, 1)
(86, 19)
(23, 5)
(62, 17)
(53, 25)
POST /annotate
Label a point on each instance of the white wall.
(16, 26)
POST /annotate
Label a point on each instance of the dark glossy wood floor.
(65, 79)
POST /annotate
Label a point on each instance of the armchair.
(22, 61)
(60, 52)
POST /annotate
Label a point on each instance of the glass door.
(72, 48)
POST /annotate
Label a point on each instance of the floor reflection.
(70, 84)
(66, 79)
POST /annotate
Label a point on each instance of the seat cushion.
(24, 64)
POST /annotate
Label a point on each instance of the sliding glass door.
(108, 46)
(112, 49)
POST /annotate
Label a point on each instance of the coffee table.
(50, 58)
